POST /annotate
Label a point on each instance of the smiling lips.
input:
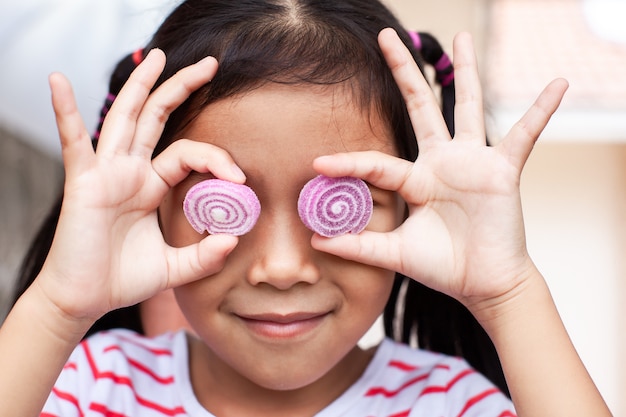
(277, 326)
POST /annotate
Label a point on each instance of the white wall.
(574, 198)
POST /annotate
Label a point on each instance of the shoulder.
(117, 370)
(127, 341)
(422, 381)
(120, 348)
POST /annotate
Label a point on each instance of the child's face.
(281, 314)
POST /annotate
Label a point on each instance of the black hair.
(322, 42)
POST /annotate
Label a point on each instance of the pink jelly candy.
(335, 206)
(221, 207)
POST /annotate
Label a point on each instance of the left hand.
(464, 235)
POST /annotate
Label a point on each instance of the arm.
(543, 370)
(36, 340)
(108, 250)
(464, 198)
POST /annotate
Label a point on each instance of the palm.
(460, 223)
(115, 214)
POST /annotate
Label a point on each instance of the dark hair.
(321, 42)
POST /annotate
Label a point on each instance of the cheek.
(387, 217)
(176, 229)
(366, 289)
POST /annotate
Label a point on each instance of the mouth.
(283, 326)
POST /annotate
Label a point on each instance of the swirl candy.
(335, 206)
(221, 207)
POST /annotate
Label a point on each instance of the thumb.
(200, 260)
(371, 248)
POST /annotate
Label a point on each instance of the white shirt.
(124, 374)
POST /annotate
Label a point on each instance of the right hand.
(108, 250)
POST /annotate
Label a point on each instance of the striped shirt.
(121, 374)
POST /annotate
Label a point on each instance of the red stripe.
(438, 388)
(71, 365)
(392, 393)
(401, 414)
(160, 408)
(48, 415)
(402, 366)
(508, 414)
(141, 367)
(144, 346)
(408, 367)
(66, 396)
(123, 380)
(102, 409)
(90, 361)
(474, 400)
(117, 379)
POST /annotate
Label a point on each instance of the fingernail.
(323, 158)
(237, 172)
(206, 60)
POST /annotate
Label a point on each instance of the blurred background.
(573, 187)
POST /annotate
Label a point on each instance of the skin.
(462, 194)
(253, 348)
(160, 314)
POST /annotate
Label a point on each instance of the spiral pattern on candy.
(221, 207)
(335, 206)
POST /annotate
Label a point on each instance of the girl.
(303, 88)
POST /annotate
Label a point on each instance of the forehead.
(283, 124)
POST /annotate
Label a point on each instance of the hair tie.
(417, 42)
(108, 102)
(435, 56)
(119, 77)
(137, 56)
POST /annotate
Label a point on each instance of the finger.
(76, 145)
(379, 169)
(468, 110)
(119, 125)
(519, 142)
(199, 260)
(371, 248)
(167, 97)
(422, 105)
(183, 156)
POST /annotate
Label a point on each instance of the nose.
(284, 253)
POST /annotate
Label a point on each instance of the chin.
(286, 380)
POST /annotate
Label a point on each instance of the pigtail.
(418, 315)
(118, 78)
(433, 54)
(37, 253)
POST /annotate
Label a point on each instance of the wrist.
(52, 318)
(36, 340)
(521, 302)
